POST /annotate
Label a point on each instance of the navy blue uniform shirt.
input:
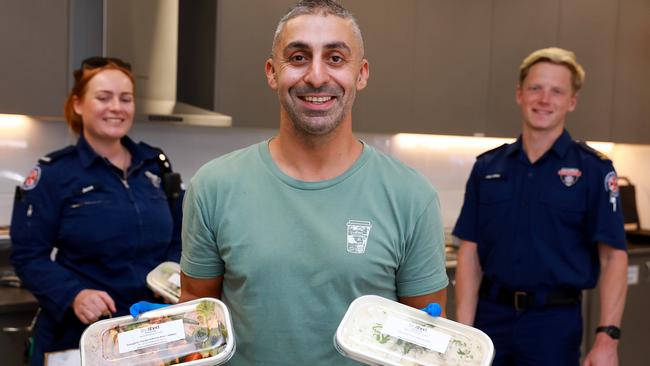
(109, 229)
(537, 225)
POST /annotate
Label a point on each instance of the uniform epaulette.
(142, 143)
(162, 158)
(592, 151)
(54, 155)
(491, 150)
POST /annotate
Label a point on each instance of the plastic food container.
(165, 279)
(197, 332)
(378, 331)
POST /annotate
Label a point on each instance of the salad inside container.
(165, 280)
(378, 331)
(197, 332)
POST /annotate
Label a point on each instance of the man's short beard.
(315, 129)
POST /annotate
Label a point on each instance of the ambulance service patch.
(569, 176)
(611, 184)
(32, 179)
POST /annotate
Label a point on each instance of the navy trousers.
(539, 336)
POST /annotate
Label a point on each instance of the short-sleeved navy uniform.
(537, 227)
(109, 231)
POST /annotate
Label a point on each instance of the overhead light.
(13, 120)
(443, 142)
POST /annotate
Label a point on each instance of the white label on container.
(417, 334)
(175, 279)
(633, 275)
(152, 335)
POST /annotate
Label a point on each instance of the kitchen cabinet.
(588, 27)
(244, 35)
(451, 67)
(631, 115)
(38, 54)
(518, 28)
(389, 32)
(33, 35)
(452, 48)
(423, 79)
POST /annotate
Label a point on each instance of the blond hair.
(558, 56)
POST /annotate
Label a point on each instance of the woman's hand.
(90, 305)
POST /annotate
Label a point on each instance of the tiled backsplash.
(447, 165)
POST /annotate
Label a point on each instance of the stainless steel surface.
(17, 312)
(4, 237)
(27, 328)
(145, 34)
(13, 344)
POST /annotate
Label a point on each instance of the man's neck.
(537, 142)
(315, 158)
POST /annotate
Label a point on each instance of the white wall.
(446, 161)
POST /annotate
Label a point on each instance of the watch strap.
(611, 330)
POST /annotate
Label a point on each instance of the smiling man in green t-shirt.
(289, 231)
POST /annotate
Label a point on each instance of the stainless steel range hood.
(145, 34)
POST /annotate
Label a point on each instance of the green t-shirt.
(294, 254)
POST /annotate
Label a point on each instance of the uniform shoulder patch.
(583, 145)
(54, 155)
(150, 147)
(32, 179)
(492, 150)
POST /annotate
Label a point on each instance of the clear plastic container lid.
(165, 279)
(197, 332)
(378, 331)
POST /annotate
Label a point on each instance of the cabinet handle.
(26, 329)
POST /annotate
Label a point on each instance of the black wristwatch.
(611, 330)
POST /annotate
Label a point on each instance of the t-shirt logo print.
(357, 235)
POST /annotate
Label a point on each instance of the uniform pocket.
(494, 191)
(495, 203)
(81, 204)
(89, 196)
(565, 199)
(565, 206)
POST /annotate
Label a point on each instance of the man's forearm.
(613, 284)
(468, 280)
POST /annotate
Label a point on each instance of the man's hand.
(90, 305)
(603, 353)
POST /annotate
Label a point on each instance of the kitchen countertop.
(451, 252)
(638, 248)
(14, 299)
(4, 238)
(19, 299)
